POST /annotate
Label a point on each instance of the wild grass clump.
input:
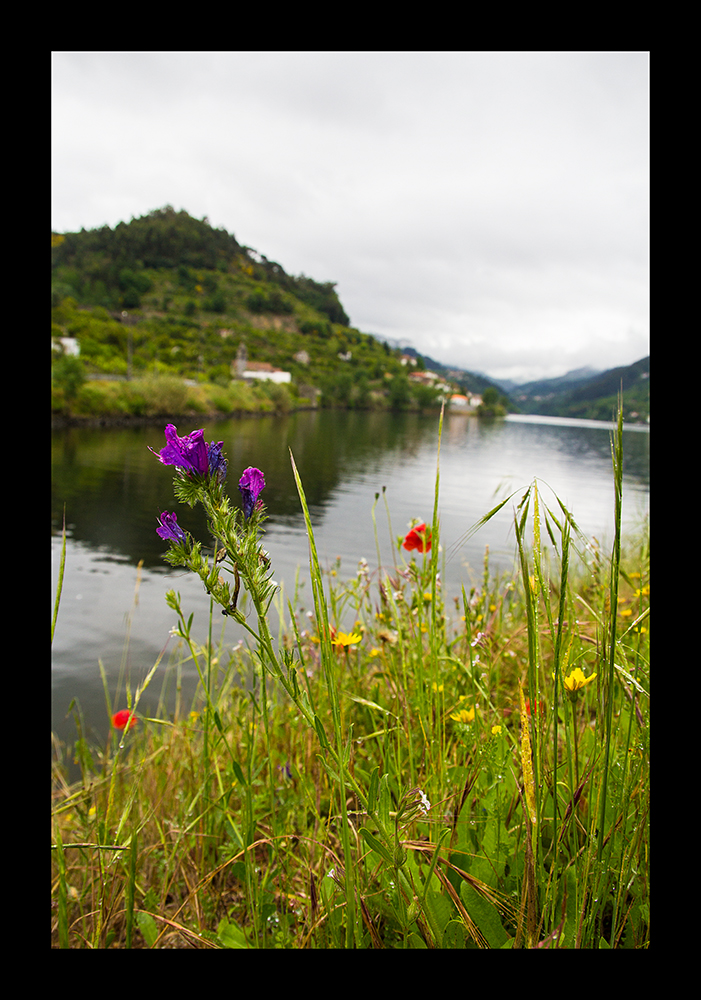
(401, 768)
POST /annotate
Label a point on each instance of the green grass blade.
(61, 570)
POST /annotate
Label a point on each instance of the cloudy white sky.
(488, 208)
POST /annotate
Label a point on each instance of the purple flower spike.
(188, 453)
(217, 462)
(251, 484)
(169, 528)
(192, 454)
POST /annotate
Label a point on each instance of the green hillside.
(593, 397)
(167, 298)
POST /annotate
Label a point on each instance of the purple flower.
(217, 462)
(169, 528)
(192, 453)
(251, 485)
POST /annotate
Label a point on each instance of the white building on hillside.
(241, 367)
(265, 371)
(464, 404)
(69, 346)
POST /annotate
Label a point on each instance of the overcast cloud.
(488, 208)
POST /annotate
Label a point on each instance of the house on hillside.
(241, 367)
(265, 371)
(464, 404)
(67, 345)
(431, 379)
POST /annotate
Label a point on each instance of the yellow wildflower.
(496, 730)
(577, 680)
(465, 715)
(345, 639)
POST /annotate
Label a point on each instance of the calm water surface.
(113, 489)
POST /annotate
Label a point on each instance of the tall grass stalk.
(342, 745)
(61, 571)
(609, 659)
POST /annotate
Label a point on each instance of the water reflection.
(114, 488)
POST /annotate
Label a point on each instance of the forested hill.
(104, 266)
(167, 295)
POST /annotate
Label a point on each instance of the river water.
(113, 489)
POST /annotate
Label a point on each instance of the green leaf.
(416, 941)
(373, 789)
(147, 926)
(454, 935)
(436, 854)
(238, 772)
(376, 845)
(318, 725)
(439, 911)
(384, 801)
(332, 773)
(484, 915)
(231, 936)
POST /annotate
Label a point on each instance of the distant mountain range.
(585, 392)
(550, 384)
(582, 392)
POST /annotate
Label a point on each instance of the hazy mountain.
(547, 385)
(588, 393)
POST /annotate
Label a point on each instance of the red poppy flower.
(418, 538)
(120, 719)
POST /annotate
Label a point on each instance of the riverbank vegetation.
(382, 765)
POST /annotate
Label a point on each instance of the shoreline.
(62, 421)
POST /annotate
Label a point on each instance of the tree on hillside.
(68, 374)
(399, 392)
(492, 404)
